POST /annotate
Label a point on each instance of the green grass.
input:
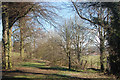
(30, 64)
(62, 69)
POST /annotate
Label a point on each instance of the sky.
(65, 13)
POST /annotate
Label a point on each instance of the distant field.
(93, 61)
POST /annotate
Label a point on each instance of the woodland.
(60, 40)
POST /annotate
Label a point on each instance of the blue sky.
(64, 13)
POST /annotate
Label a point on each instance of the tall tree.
(21, 25)
(80, 37)
(5, 23)
(8, 20)
(114, 37)
(68, 46)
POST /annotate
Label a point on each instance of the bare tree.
(80, 37)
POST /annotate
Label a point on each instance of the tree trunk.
(102, 40)
(9, 48)
(102, 50)
(102, 57)
(78, 52)
(4, 40)
(21, 39)
(69, 61)
(34, 43)
(78, 56)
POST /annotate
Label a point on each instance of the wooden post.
(97, 65)
(85, 64)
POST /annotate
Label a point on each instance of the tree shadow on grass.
(49, 68)
(50, 76)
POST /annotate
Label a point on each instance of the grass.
(41, 70)
(29, 64)
(61, 70)
(33, 70)
(43, 65)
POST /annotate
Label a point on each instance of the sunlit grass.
(60, 72)
(93, 61)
